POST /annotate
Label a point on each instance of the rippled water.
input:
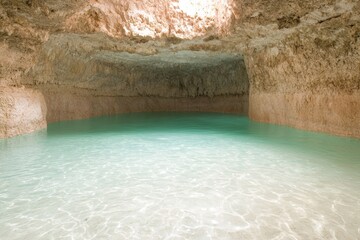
(178, 176)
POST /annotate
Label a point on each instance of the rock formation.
(294, 63)
(308, 76)
(21, 111)
(105, 82)
(153, 18)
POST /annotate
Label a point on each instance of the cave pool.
(178, 176)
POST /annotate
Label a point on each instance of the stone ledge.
(117, 73)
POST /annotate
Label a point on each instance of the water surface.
(178, 176)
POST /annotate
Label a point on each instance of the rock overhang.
(172, 74)
(163, 74)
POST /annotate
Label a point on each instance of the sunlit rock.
(155, 18)
(21, 111)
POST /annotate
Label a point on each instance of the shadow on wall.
(107, 83)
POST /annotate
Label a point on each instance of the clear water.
(178, 176)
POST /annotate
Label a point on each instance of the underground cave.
(179, 119)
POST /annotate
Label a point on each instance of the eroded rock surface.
(21, 111)
(164, 74)
(109, 82)
(302, 57)
(309, 78)
(154, 18)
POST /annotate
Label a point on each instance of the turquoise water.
(178, 176)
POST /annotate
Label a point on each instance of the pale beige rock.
(331, 113)
(299, 54)
(165, 74)
(70, 105)
(81, 82)
(12, 65)
(309, 81)
(21, 111)
(154, 18)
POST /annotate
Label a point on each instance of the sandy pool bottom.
(178, 176)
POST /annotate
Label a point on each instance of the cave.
(204, 55)
(280, 80)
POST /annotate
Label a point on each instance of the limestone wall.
(154, 18)
(310, 78)
(21, 111)
(302, 58)
(113, 73)
(69, 105)
(84, 80)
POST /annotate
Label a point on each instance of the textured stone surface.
(21, 111)
(69, 105)
(310, 79)
(153, 18)
(166, 74)
(302, 57)
(332, 113)
(84, 82)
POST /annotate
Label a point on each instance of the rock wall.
(302, 58)
(310, 78)
(285, 13)
(154, 18)
(21, 111)
(81, 79)
(69, 105)
(164, 74)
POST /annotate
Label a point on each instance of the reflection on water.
(178, 176)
